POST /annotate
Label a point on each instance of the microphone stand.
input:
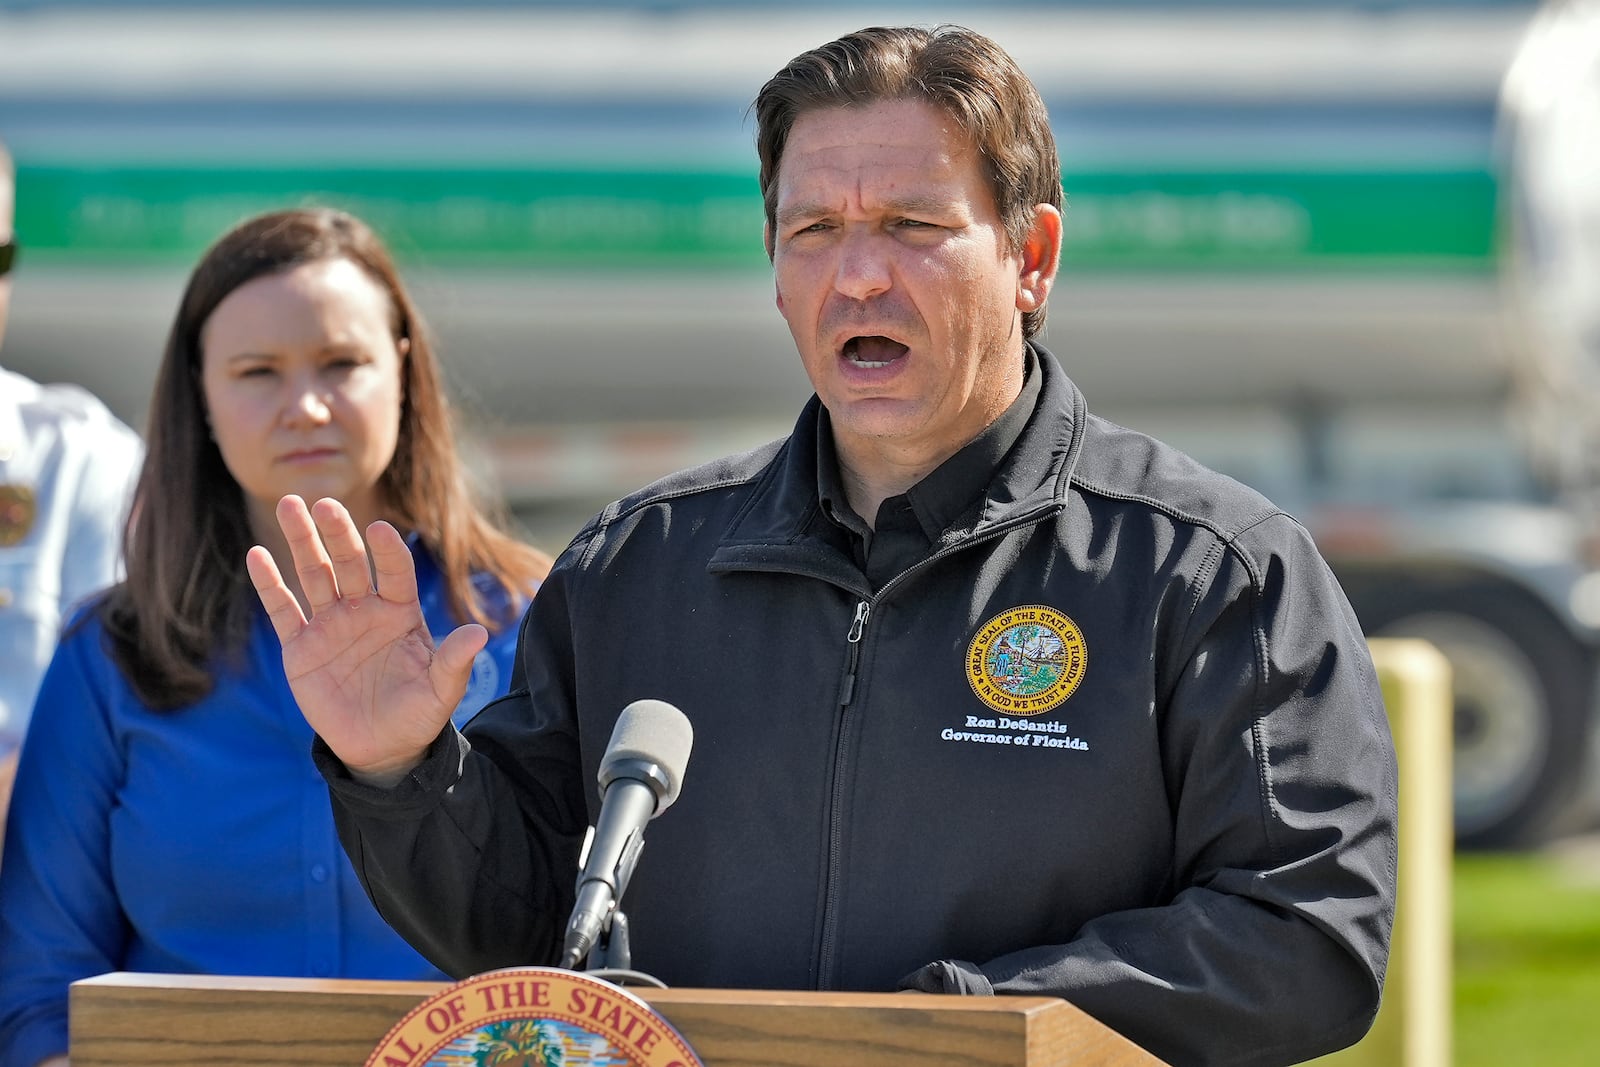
(611, 959)
(611, 956)
(612, 949)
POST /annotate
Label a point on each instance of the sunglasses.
(8, 255)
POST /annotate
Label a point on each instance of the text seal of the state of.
(533, 1017)
(1027, 660)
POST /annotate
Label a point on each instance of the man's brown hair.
(964, 73)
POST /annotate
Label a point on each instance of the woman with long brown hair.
(167, 814)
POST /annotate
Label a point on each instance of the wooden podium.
(130, 1020)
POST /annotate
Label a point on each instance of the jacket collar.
(772, 530)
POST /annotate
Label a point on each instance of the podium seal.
(533, 1017)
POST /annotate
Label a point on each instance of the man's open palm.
(363, 666)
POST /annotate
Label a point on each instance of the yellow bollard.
(1413, 1025)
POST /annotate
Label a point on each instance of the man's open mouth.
(874, 351)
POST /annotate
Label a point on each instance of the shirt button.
(319, 873)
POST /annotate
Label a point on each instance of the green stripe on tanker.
(1422, 220)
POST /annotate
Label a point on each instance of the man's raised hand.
(362, 666)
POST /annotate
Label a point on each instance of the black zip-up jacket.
(1183, 822)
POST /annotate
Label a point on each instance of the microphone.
(640, 776)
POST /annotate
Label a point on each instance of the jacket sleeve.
(474, 857)
(60, 919)
(1282, 780)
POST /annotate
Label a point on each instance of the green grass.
(1527, 961)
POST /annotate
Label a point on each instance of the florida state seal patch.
(1027, 660)
(533, 1017)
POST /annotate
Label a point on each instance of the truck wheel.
(1521, 693)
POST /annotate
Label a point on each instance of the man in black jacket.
(989, 695)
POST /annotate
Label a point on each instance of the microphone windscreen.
(652, 731)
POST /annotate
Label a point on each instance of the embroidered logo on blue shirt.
(482, 687)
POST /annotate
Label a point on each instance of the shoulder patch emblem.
(18, 508)
(1027, 660)
(529, 1016)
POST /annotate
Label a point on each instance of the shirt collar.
(949, 490)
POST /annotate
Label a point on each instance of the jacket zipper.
(853, 638)
(847, 691)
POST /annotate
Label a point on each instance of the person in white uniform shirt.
(66, 474)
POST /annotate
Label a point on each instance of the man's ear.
(1041, 258)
